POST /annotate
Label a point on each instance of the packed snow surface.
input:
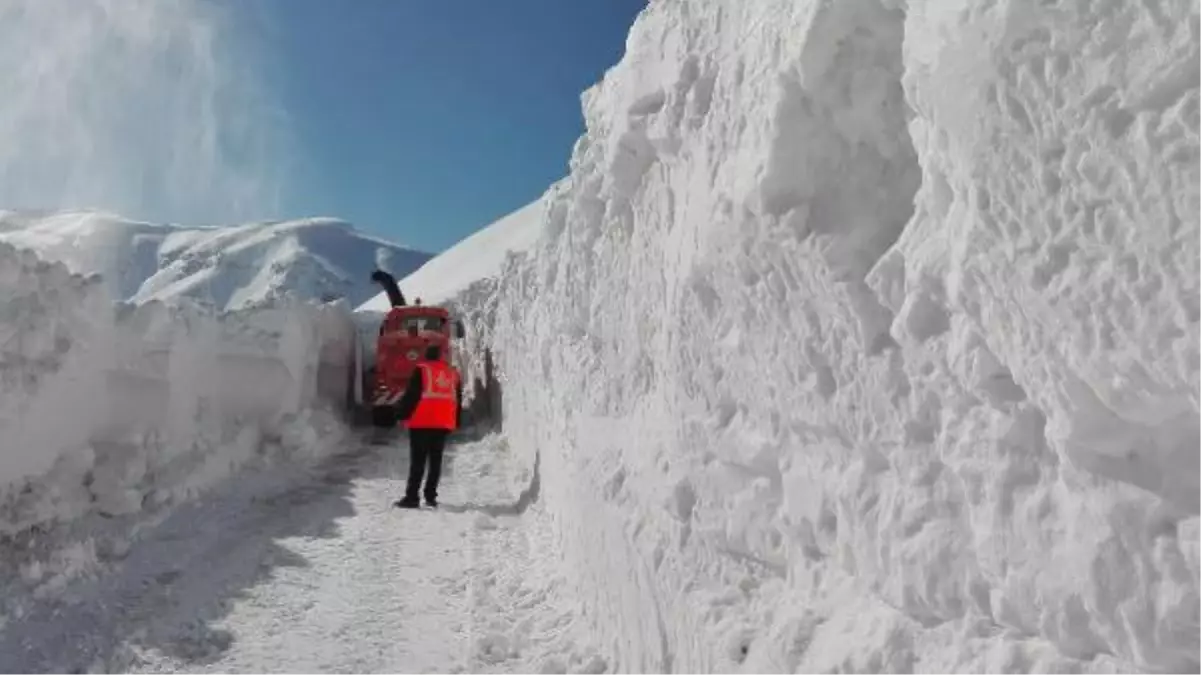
(234, 267)
(314, 571)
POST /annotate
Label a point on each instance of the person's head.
(433, 353)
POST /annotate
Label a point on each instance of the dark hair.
(433, 352)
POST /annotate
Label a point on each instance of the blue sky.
(424, 120)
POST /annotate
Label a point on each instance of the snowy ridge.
(864, 335)
(479, 256)
(237, 267)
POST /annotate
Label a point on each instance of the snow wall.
(864, 336)
(119, 410)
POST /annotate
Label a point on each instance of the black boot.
(407, 503)
(431, 501)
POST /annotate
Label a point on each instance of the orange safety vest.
(437, 408)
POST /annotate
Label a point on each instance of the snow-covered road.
(323, 575)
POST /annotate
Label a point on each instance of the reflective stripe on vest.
(436, 409)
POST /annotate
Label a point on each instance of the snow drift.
(236, 267)
(864, 336)
(121, 411)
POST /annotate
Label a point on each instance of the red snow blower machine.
(404, 334)
(401, 340)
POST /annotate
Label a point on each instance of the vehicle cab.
(404, 335)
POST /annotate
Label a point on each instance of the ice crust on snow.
(235, 267)
(863, 335)
(123, 411)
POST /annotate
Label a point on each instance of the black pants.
(425, 444)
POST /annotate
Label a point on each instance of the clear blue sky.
(424, 120)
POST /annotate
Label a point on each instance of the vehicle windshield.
(411, 324)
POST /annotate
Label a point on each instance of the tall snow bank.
(114, 411)
(864, 336)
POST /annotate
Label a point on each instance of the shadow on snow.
(528, 496)
(184, 575)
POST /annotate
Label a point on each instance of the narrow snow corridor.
(324, 575)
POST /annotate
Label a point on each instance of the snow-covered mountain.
(233, 267)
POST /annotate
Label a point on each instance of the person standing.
(430, 409)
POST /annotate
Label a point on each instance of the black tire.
(368, 385)
(384, 416)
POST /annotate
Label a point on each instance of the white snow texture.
(120, 410)
(863, 336)
(239, 267)
(213, 359)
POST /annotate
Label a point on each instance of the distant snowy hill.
(479, 256)
(233, 267)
